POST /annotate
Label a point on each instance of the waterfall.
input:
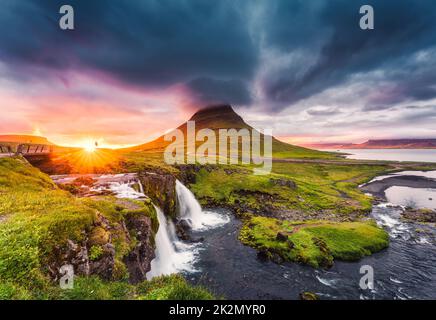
(190, 210)
(172, 256)
(141, 187)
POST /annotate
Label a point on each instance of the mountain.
(382, 144)
(217, 117)
(24, 139)
(330, 146)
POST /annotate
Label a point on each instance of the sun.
(90, 148)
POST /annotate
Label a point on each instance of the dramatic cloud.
(146, 43)
(283, 63)
(338, 48)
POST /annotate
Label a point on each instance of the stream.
(405, 270)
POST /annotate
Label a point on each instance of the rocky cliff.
(113, 249)
(161, 188)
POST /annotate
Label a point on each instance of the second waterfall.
(190, 210)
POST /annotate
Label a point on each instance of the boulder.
(183, 230)
(263, 254)
(283, 183)
(281, 236)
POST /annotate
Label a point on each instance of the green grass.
(316, 243)
(172, 287)
(281, 150)
(36, 218)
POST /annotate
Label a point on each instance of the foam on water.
(327, 282)
(125, 190)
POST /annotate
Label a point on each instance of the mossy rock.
(98, 236)
(308, 296)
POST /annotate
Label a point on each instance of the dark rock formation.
(161, 188)
(284, 183)
(183, 229)
(138, 261)
(265, 254)
(188, 173)
(281, 236)
(105, 264)
(420, 215)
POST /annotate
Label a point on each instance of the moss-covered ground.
(316, 243)
(321, 189)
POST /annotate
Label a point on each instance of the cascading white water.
(141, 187)
(171, 255)
(190, 210)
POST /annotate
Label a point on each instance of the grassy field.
(328, 190)
(37, 218)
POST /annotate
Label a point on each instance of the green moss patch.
(316, 243)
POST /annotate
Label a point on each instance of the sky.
(131, 69)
